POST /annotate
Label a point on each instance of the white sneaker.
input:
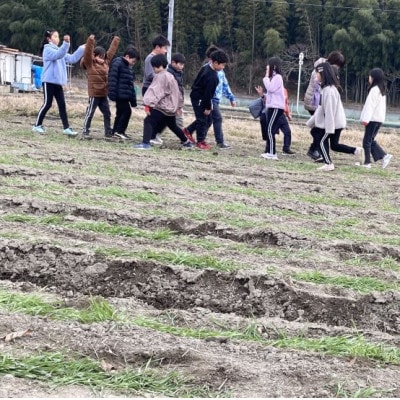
(363, 165)
(386, 160)
(359, 153)
(69, 132)
(39, 129)
(270, 156)
(157, 141)
(327, 167)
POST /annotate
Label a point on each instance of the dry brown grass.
(239, 131)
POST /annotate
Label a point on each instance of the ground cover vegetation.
(193, 274)
(251, 31)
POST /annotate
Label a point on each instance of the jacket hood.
(319, 61)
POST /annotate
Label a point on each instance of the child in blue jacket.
(54, 77)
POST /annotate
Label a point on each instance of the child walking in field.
(160, 46)
(121, 90)
(54, 77)
(223, 90)
(329, 117)
(372, 116)
(275, 105)
(312, 100)
(96, 62)
(175, 68)
(203, 90)
(162, 100)
(283, 122)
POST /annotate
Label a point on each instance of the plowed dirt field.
(226, 274)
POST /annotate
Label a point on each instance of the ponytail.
(47, 36)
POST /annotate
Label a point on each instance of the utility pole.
(170, 27)
(252, 48)
(301, 58)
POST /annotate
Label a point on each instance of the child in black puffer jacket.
(121, 90)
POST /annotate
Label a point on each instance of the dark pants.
(201, 123)
(122, 117)
(333, 140)
(104, 107)
(216, 119)
(339, 147)
(370, 145)
(283, 126)
(273, 120)
(156, 121)
(322, 138)
(50, 91)
(314, 146)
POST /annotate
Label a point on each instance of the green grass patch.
(364, 284)
(116, 191)
(333, 201)
(285, 253)
(361, 392)
(333, 232)
(198, 261)
(254, 193)
(53, 191)
(388, 263)
(244, 223)
(255, 211)
(98, 309)
(11, 235)
(91, 226)
(61, 369)
(343, 233)
(343, 346)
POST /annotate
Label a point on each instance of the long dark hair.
(47, 36)
(328, 75)
(275, 66)
(378, 79)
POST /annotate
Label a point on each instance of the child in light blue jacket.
(54, 77)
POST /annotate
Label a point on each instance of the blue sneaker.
(187, 145)
(39, 129)
(69, 132)
(142, 146)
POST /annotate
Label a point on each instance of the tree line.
(250, 31)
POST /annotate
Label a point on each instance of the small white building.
(16, 68)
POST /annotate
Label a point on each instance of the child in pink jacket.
(275, 105)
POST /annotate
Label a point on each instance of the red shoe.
(188, 135)
(203, 146)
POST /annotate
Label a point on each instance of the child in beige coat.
(162, 101)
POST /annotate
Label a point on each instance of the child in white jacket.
(329, 116)
(372, 116)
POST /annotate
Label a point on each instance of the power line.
(329, 6)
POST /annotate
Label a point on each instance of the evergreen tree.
(277, 19)
(250, 31)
